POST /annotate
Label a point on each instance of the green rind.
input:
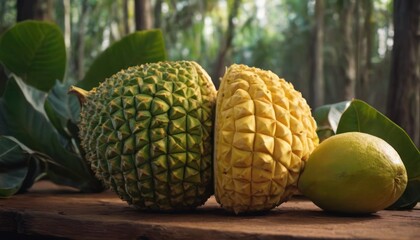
(147, 132)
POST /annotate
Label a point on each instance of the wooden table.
(50, 210)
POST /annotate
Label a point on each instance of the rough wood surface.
(50, 210)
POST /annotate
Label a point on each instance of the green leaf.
(32, 128)
(34, 96)
(35, 172)
(62, 109)
(134, 49)
(327, 118)
(361, 117)
(35, 51)
(13, 167)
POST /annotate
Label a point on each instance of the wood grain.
(63, 212)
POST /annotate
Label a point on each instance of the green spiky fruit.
(264, 134)
(147, 132)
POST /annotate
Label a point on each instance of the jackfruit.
(147, 133)
(264, 133)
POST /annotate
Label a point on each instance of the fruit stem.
(80, 93)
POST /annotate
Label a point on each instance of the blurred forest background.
(331, 50)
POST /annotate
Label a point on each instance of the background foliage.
(274, 35)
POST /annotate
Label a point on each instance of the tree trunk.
(80, 42)
(158, 13)
(143, 14)
(317, 66)
(125, 17)
(48, 10)
(114, 34)
(225, 45)
(34, 9)
(403, 105)
(365, 51)
(26, 9)
(349, 60)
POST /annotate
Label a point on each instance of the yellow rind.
(264, 132)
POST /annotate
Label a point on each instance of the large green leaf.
(36, 171)
(327, 118)
(33, 129)
(62, 109)
(360, 117)
(35, 51)
(13, 167)
(134, 49)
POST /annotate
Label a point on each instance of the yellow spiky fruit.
(264, 134)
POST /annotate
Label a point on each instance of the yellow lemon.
(353, 173)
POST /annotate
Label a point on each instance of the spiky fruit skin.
(263, 135)
(147, 132)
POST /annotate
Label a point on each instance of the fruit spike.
(80, 93)
(147, 133)
(264, 133)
